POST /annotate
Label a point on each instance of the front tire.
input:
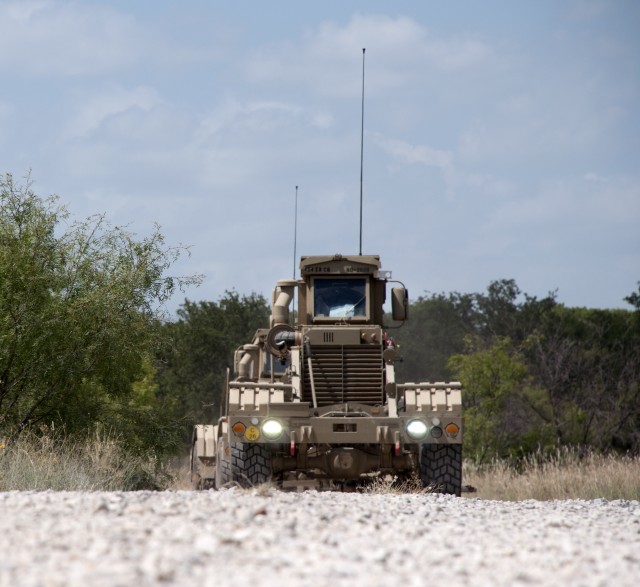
(242, 463)
(441, 468)
(250, 464)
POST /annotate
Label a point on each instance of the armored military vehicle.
(314, 402)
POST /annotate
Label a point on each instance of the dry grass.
(392, 484)
(565, 475)
(52, 461)
(180, 472)
(99, 463)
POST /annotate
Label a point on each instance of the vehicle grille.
(347, 373)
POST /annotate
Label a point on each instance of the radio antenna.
(361, 150)
(295, 233)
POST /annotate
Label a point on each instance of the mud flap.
(223, 476)
(202, 461)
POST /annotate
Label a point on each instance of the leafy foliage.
(192, 369)
(77, 314)
(536, 374)
(634, 298)
(440, 323)
(83, 347)
(589, 361)
(507, 412)
(435, 331)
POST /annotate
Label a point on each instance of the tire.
(250, 464)
(441, 468)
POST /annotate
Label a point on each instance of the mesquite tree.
(78, 303)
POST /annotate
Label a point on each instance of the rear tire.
(441, 468)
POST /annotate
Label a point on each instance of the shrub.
(50, 460)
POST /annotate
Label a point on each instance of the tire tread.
(441, 468)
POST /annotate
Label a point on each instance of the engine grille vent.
(346, 373)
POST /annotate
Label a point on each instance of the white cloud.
(561, 118)
(490, 186)
(325, 57)
(22, 12)
(554, 203)
(94, 110)
(528, 130)
(570, 211)
(418, 153)
(61, 38)
(409, 154)
(259, 116)
(322, 119)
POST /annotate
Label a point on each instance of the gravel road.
(241, 538)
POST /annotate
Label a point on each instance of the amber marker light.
(452, 429)
(239, 428)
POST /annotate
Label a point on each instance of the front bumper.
(347, 430)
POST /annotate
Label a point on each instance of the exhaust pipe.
(282, 296)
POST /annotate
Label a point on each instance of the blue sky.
(502, 138)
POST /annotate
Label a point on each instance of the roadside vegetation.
(567, 474)
(80, 303)
(100, 462)
(86, 347)
(37, 462)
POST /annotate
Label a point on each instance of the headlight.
(417, 429)
(271, 429)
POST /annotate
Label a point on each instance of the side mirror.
(399, 303)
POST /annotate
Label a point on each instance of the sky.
(501, 138)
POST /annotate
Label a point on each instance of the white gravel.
(239, 538)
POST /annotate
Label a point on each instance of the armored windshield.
(339, 297)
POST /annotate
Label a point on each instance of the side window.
(339, 297)
(271, 363)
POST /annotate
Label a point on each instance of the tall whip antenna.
(295, 233)
(361, 150)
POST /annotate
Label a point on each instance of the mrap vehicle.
(314, 402)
